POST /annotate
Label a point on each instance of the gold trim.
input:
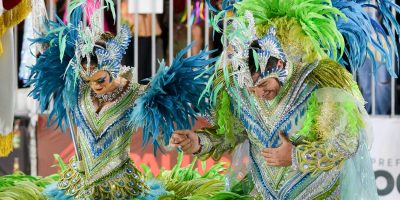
(13, 17)
(6, 144)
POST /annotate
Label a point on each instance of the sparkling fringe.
(6, 144)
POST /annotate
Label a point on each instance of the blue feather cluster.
(52, 192)
(172, 99)
(361, 29)
(52, 78)
(156, 190)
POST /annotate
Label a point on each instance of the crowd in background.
(382, 87)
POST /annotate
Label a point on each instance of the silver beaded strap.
(295, 164)
(205, 144)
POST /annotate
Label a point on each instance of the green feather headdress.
(316, 17)
(306, 30)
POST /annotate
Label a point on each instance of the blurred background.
(160, 28)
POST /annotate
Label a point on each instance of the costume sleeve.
(227, 132)
(214, 144)
(332, 127)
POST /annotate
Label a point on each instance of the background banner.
(385, 154)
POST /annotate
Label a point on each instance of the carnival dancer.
(97, 98)
(282, 86)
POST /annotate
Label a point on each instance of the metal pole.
(136, 40)
(392, 82)
(118, 15)
(15, 35)
(373, 94)
(101, 18)
(51, 9)
(73, 134)
(189, 28)
(32, 146)
(84, 17)
(373, 78)
(206, 27)
(153, 38)
(171, 32)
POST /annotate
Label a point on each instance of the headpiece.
(55, 75)
(271, 47)
(243, 34)
(108, 57)
(307, 31)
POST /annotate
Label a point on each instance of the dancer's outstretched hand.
(281, 156)
(186, 140)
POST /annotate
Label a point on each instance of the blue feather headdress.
(54, 77)
(173, 97)
(271, 44)
(108, 57)
(364, 33)
(271, 47)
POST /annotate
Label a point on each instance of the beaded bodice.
(104, 138)
(104, 170)
(263, 122)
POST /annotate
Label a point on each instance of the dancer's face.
(100, 82)
(267, 89)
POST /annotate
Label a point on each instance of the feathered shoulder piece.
(52, 77)
(172, 98)
(369, 29)
(329, 73)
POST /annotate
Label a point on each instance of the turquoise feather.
(172, 100)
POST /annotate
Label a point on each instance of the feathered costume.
(318, 106)
(102, 168)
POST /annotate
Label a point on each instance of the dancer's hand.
(281, 156)
(186, 140)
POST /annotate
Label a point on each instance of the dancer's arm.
(214, 144)
(207, 142)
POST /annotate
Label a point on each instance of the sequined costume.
(104, 139)
(102, 168)
(318, 107)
